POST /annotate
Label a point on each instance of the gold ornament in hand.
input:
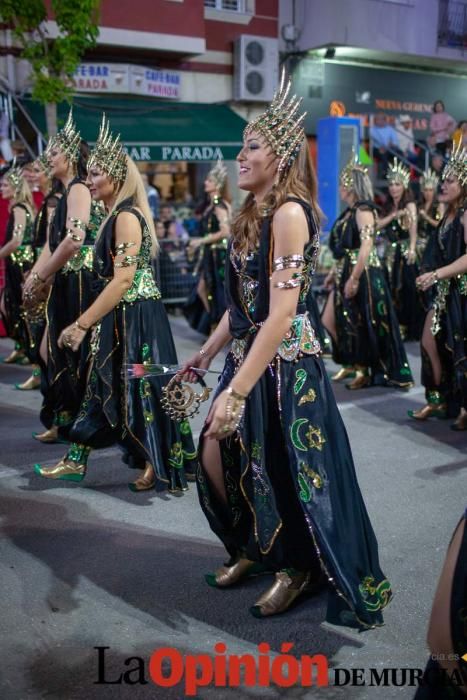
(179, 399)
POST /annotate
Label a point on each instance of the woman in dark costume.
(66, 265)
(128, 324)
(206, 304)
(444, 340)
(35, 316)
(18, 253)
(399, 226)
(276, 479)
(359, 313)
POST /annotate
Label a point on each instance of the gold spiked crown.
(281, 125)
(15, 177)
(43, 163)
(347, 173)
(397, 172)
(457, 165)
(67, 140)
(218, 173)
(108, 154)
(429, 179)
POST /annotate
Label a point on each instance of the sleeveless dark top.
(345, 235)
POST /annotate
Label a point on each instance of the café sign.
(127, 79)
(173, 153)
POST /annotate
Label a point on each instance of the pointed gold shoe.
(361, 381)
(227, 575)
(15, 356)
(145, 482)
(343, 373)
(64, 470)
(280, 596)
(430, 410)
(48, 436)
(30, 384)
(461, 422)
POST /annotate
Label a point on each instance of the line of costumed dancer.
(276, 478)
(444, 339)
(275, 474)
(359, 314)
(90, 308)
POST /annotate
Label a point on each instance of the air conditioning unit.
(256, 68)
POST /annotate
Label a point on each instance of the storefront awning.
(156, 131)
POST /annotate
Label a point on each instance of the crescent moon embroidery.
(295, 434)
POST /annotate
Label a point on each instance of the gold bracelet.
(36, 278)
(80, 327)
(434, 274)
(236, 395)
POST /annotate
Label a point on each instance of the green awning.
(156, 131)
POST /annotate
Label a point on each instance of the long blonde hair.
(300, 182)
(133, 187)
(22, 194)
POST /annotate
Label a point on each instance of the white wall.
(381, 25)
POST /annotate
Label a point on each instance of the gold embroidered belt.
(82, 259)
(299, 340)
(23, 254)
(142, 287)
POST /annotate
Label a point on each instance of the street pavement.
(92, 564)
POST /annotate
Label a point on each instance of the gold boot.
(144, 482)
(430, 410)
(15, 356)
(361, 380)
(227, 575)
(343, 373)
(280, 596)
(32, 383)
(65, 470)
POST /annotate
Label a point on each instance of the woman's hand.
(71, 337)
(410, 255)
(200, 361)
(195, 243)
(427, 280)
(218, 426)
(351, 287)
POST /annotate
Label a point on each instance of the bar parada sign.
(182, 152)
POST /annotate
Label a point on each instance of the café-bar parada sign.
(128, 79)
(192, 153)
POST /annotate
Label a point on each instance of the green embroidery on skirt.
(144, 388)
(176, 455)
(148, 416)
(375, 597)
(305, 476)
(185, 427)
(300, 375)
(305, 491)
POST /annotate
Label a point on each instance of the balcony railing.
(452, 23)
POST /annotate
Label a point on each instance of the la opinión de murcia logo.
(168, 667)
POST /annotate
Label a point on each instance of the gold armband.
(127, 261)
(70, 233)
(294, 281)
(121, 248)
(367, 232)
(287, 261)
(17, 230)
(77, 223)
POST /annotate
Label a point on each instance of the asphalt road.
(93, 565)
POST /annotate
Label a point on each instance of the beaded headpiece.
(429, 179)
(218, 173)
(15, 177)
(67, 140)
(397, 172)
(43, 162)
(281, 125)
(457, 165)
(347, 178)
(108, 153)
